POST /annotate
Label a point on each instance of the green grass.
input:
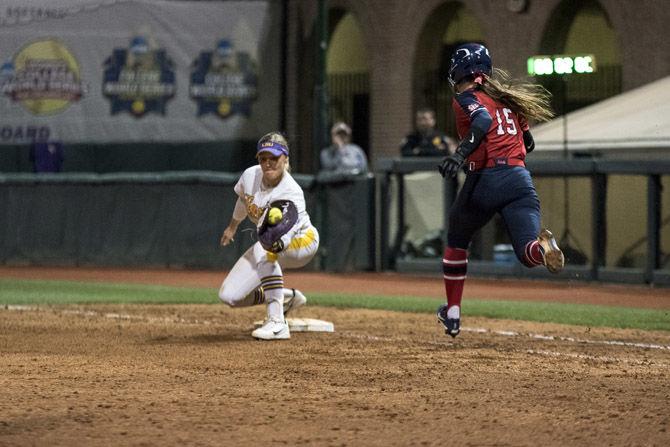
(577, 314)
(70, 292)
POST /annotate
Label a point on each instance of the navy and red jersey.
(504, 138)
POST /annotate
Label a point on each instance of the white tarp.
(639, 118)
(138, 70)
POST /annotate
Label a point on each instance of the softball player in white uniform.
(256, 278)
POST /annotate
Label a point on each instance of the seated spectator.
(426, 140)
(342, 156)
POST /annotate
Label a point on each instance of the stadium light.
(561, 64)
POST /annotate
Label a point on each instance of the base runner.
(492, 116)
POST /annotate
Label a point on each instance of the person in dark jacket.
(426, 140)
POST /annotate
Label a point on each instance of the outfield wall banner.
(115, 71)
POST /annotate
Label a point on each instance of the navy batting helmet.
(470, 59)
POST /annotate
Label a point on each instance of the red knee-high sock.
(455, 268)
(533, 254)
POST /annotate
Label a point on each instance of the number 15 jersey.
(504, 138)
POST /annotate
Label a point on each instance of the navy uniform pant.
(507, 190)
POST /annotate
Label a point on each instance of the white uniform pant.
(258, 267)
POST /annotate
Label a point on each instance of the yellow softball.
(274, 216)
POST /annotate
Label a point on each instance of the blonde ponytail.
(529, 100)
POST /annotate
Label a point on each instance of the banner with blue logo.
(138, 70)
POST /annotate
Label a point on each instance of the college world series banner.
(138, 70)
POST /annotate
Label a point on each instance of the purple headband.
(272, 147)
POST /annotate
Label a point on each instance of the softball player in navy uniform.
(256, 278)
(492, 116)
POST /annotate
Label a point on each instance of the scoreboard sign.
(561, 64)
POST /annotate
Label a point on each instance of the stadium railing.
(597, 170)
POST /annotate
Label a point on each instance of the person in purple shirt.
(47, 156)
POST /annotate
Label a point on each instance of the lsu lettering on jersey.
(504, 138)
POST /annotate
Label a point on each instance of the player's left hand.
(451, 165)
(274, 238)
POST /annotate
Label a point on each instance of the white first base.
(305, 325)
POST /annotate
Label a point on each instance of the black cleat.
(452, 326)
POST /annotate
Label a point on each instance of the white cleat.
(293, 299)
(274, 328)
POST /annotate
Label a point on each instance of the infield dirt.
(192, 375)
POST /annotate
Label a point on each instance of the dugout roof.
(636, 119)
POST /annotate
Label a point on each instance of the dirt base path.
(101, 375)
(192, 375)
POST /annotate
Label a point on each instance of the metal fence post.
(599, 223)
(385, 203)
(653, 226)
